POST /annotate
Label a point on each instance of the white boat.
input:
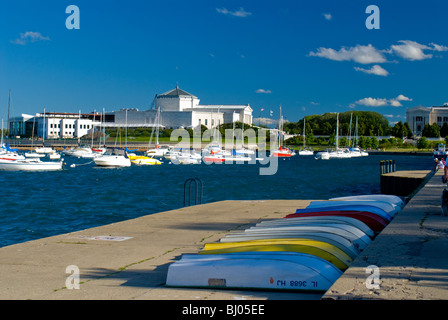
(113, 157)
(54, 156)
(187, 157)
(323, 155)
(158, 150)
(305, 151)
(383, 205)
(394, 200)
(318, 220)
(83, 151)
(32, 164)
(339, 154)
(10, 154)
(34, 155)
(357, 233)
(250, 270)
(44, 150)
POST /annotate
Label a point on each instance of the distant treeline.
(367, 123)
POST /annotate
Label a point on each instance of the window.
(205, 121)
(439, 119)
(418, 118)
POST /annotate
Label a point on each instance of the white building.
(418, 117)
(53, 125)
(180, 109)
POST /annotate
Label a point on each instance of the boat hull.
(319, 249)
(252, 270)
(112, 161)
(372, 220)
(393, 200)
(336, 240)
(29, 165)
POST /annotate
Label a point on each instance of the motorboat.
(83, 151)
(113, 157)
(10, 154)
(158, 150)
(283, 152)
(32, 164)
(34, 155)
(44, 150)
(340, 154)
(322, 155)
(306, 152)
(143, 160)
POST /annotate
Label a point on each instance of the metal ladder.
(198, 191)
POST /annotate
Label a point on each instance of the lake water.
(41, 204)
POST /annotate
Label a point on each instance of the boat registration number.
(297, 283)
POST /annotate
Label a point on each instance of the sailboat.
(339, 153)
(158, 150)
(34, 154)
(281, 151)
(355, 151)
(305, 151)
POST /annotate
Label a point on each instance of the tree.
(444, 130)
(422, 143)
(408, 130)
(431, 131)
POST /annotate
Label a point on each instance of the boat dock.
(129, 260)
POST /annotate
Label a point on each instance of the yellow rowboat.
(142, 160)
(320, 249)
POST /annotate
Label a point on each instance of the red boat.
(373, 221)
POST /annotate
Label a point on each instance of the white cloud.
(411, 50)
(30, 36)
(372, 102)
(376, 69)
(360, 54)
(264, 121)
(237, 13)
(327, 16)
(381, 102)
(439, 48)
(263, 91)
(401, 97)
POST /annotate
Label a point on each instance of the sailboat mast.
(304, 135)
(9, 107)
(337, 131)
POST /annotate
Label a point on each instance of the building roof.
(176, 92)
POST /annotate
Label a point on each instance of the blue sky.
(310, 57)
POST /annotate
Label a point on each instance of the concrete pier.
(129, 260)
(136, 267)
(410, 253)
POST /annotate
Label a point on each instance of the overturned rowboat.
(254, 270)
